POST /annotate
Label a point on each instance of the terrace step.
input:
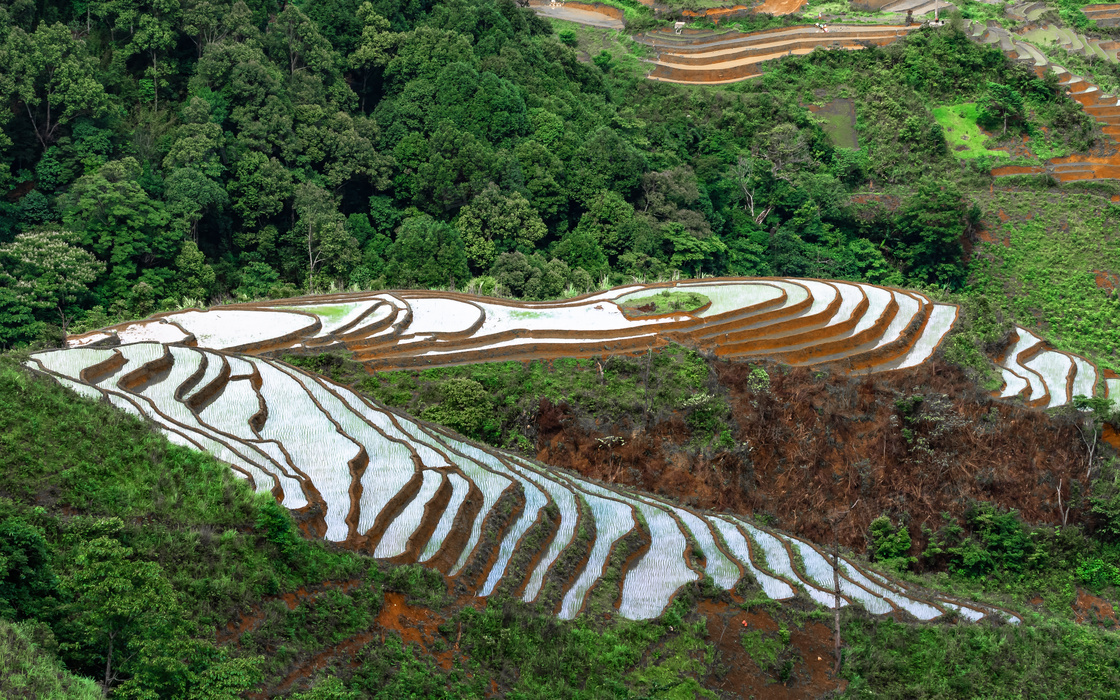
(413, 492)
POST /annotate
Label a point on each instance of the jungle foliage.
(175, 153)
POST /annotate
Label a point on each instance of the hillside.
(361, 349)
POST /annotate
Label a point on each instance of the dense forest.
(166, 153)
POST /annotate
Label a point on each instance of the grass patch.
(327, 313)
(961, 131)
(664, 302)
(29, 671)
(838, 119)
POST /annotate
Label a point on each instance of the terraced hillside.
(1105, 14)
(362, 474)
(1104, 108)
(727, 57)
(413, 492)
(853, 326)
(1048, 378)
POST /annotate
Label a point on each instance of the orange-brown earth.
(1089, 607)
(779, 7)
(811, 443)
(810, 651)
(415, 625)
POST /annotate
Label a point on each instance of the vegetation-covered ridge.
(498, 155)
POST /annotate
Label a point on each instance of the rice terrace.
(365, 350)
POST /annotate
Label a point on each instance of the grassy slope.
(68, 463)
(32, 672)
(1044, 278)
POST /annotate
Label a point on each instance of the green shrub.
(890, 544)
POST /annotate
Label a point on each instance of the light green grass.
(27, 671)
(1044, 280)
(327, 313)
(665, 302)
(626, 54)
(838, 121)
(959, 123)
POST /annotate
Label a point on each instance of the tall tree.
(121, 223)
(328, 243)
(495, 220)
(117, 603)
(1002, 103)
(45, 275)
(52, 78)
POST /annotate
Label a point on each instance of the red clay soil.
(812, 443)
(415, 625)
(1094, 609)
(718, 13)
(810, 677)
(292, 599)
(780, 7)
(1110, 436)
(1107, 280)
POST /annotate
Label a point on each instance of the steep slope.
(406, 491)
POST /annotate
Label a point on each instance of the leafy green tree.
(52, 77)
(1104, 500)
(28, 584)
(121, 223)
(424, 51)
(890, 544)
(604, 60)
(197, 140)
(259, 281)
(496, 220)
(456, 167)
(328, 243)
(189, 194)
(540, 167)
(534, 277)
(42, 275)
(202, 21)
(690, 253)
(261, 187)
(156, 31)
(427, 253)
(295, 39)
(375, 48)
(928, 233)
(605, 160)
(465, 406)
(118, 605)
(35, 208)
(609, 220)
(1002, 103)
(196, 278)
(579, 249)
